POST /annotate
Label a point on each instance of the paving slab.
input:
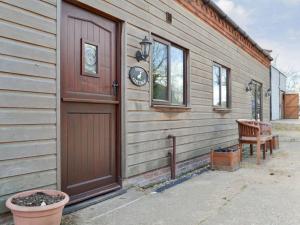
(268, 194)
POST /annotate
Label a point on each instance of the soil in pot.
(37, 199)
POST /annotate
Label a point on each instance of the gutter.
(235, 26)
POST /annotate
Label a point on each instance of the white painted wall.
(275, 78)
(278, 84)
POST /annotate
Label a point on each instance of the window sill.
(171, 108)
(221, 110)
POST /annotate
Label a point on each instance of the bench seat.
(255, 132)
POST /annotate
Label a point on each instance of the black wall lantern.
(145, 50)
(249, 86)
(268, 93)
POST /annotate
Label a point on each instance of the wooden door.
(291, 106)
(90, 103)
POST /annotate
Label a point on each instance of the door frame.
(119, 71)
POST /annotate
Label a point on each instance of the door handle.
(115, 86)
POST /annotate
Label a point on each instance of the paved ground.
(268, 194)
(286, 121)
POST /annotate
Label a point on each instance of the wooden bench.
(254, 132)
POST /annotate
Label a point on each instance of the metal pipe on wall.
(173, 157)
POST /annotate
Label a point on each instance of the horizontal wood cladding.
(13, 184)
(210, 16)
(25, 149)
(37, 7)
(27, 96)
(199, 129)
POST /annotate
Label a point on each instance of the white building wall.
(275, 78)
(282, 82)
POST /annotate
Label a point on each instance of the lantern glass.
(145, 50)
(145, 47)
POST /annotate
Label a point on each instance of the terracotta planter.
(38, 215)
(275, 142)
(228, 161)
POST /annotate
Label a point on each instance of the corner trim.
(58, 132)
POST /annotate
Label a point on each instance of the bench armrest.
(265, 128)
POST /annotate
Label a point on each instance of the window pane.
(90, 54)
(160, 71)
(177, 76)
(258, 102)
(224, 87)
(253, 102)
(216, 85)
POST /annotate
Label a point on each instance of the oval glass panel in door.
(90, 58)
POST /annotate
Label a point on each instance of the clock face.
(138, 76)
(90, 54)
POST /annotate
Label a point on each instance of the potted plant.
(227, 159)
(37, 207)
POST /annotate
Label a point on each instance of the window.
(89, 58)
(221, 86)
(168, 73)
(256, 100)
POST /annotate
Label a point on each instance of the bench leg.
(271, 147)
(251, 149)
(241, 151)
(258, 153)
(264, 150)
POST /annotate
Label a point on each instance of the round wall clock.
(138, 76)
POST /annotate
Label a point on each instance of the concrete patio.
(268, 194)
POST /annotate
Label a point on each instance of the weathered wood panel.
(291, 106)
(28, 107)
(26, 67)
(28, 84)
(16, 150)
(27, 165)
(19, 183)
(16, 15)
(27, 133)
(35, 6)
(21, 49)
(26, 100)
(29, 35)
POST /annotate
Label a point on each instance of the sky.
(273, 24)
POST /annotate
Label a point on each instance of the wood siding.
(28, 90)
(27, 96)
(200, 128)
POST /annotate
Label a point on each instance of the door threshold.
(81, 205)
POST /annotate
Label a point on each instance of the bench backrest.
(252, 128)
(248, 128)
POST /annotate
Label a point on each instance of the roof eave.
(224, 16)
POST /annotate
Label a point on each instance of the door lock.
(115, 86)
